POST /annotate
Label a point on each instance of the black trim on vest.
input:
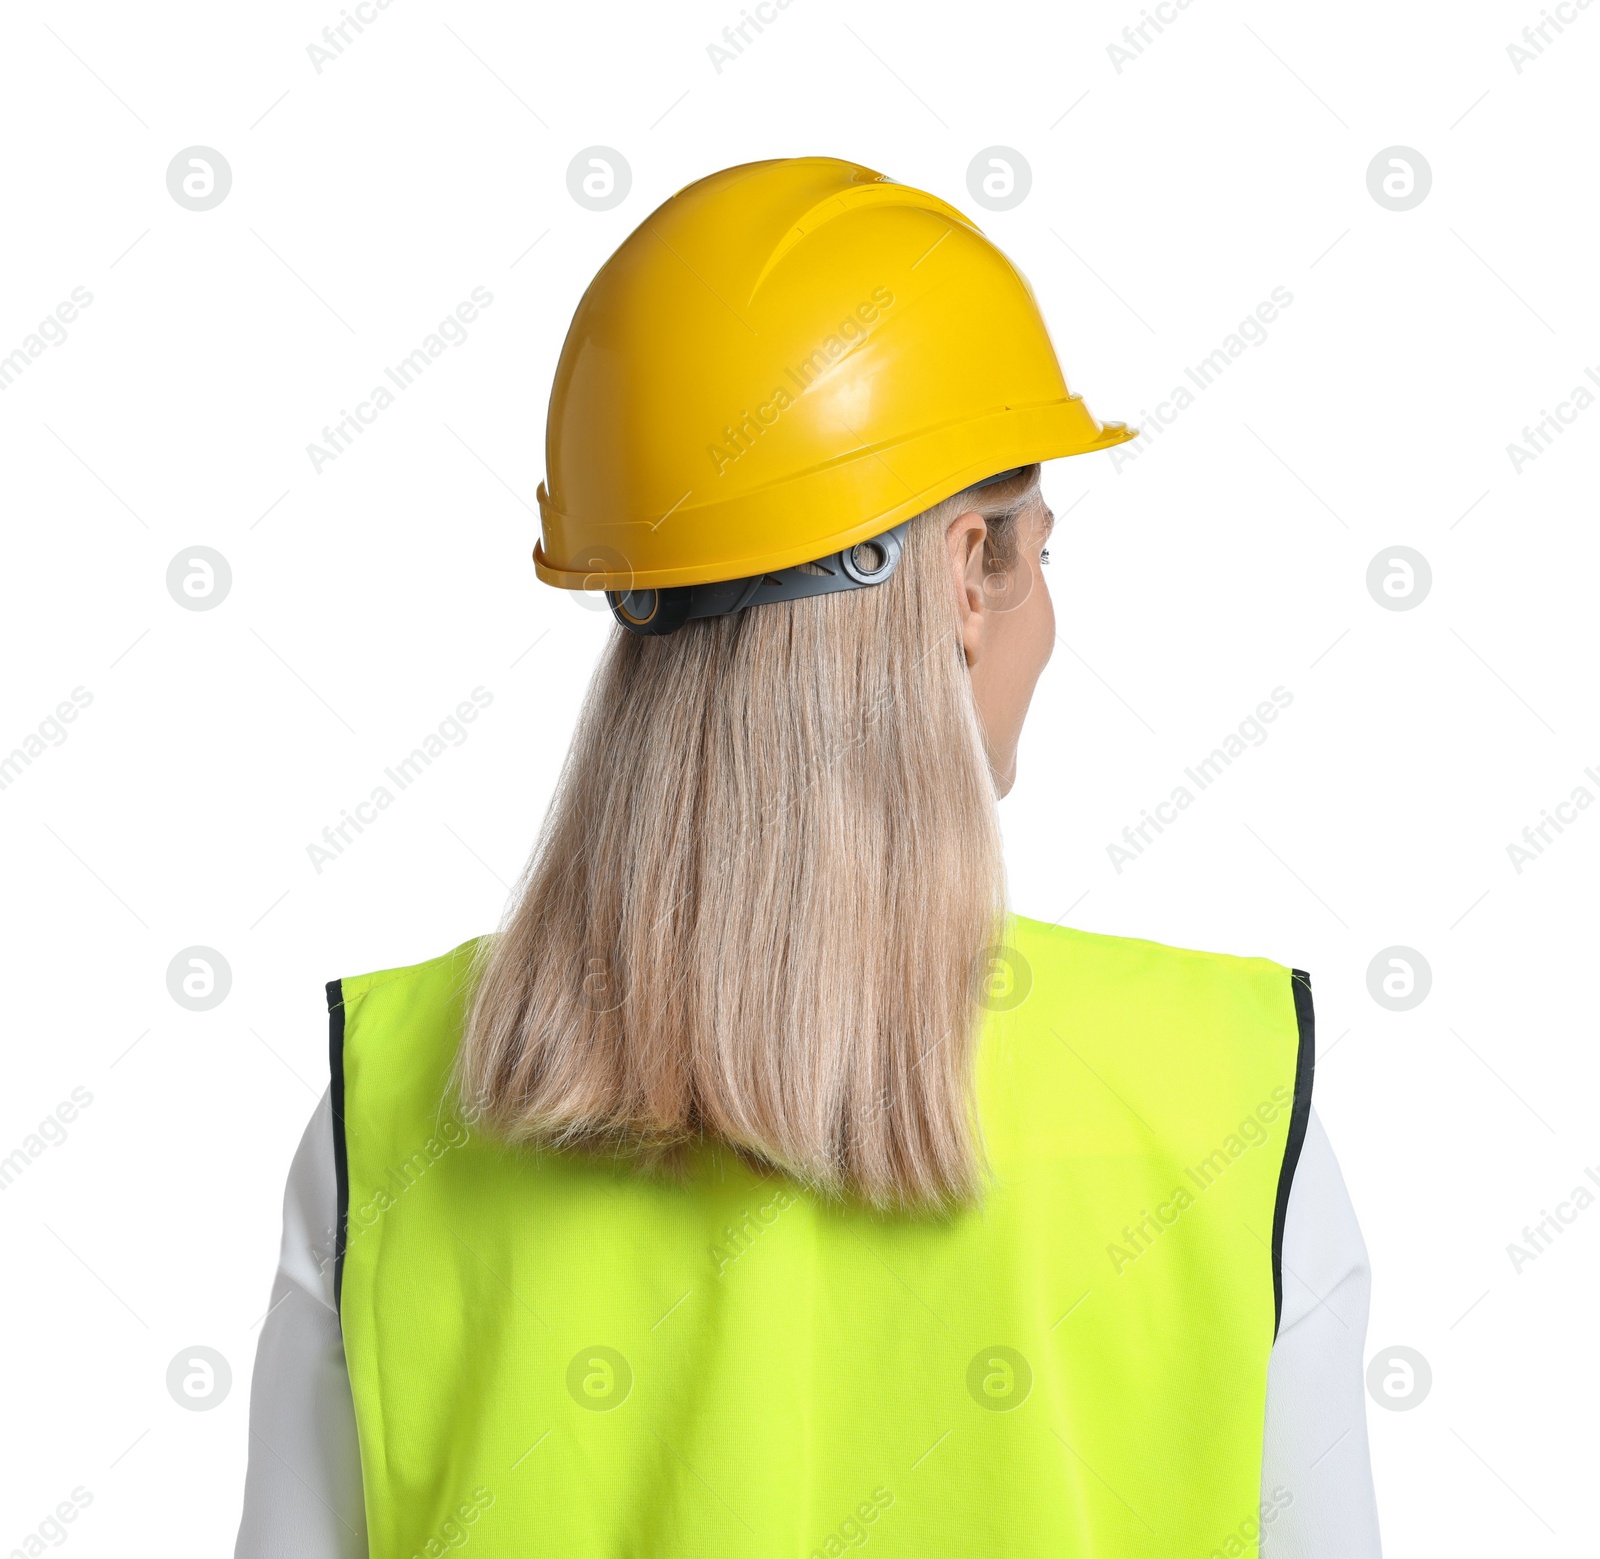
(1299, 1117)
(341, 1160)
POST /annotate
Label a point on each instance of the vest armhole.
(1299, 1118)
(341, 1159)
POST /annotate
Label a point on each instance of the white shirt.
(303, 1497)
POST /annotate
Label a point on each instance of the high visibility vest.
(553, 1355)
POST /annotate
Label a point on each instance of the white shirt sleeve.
(303, 1497)
(1316, 1475)
(302, 1493)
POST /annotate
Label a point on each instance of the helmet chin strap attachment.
(656, 613)
(653, 613)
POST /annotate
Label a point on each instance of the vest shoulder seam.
(358, 985)
(1055, 929)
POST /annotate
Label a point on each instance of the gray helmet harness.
(654, 613)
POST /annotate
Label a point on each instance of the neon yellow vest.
(551, 1356)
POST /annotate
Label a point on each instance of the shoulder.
(1192, 1012)
(444, 971)
(401, 1021)
(1135, 962)
(393, 1036)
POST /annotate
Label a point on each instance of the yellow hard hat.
(783, 360)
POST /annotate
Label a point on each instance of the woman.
(764, 1187)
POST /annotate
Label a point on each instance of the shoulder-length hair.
(762, 901)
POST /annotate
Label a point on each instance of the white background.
(1168, 199)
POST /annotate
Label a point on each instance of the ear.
(964, 538)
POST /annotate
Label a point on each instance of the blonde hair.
(761, 903)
